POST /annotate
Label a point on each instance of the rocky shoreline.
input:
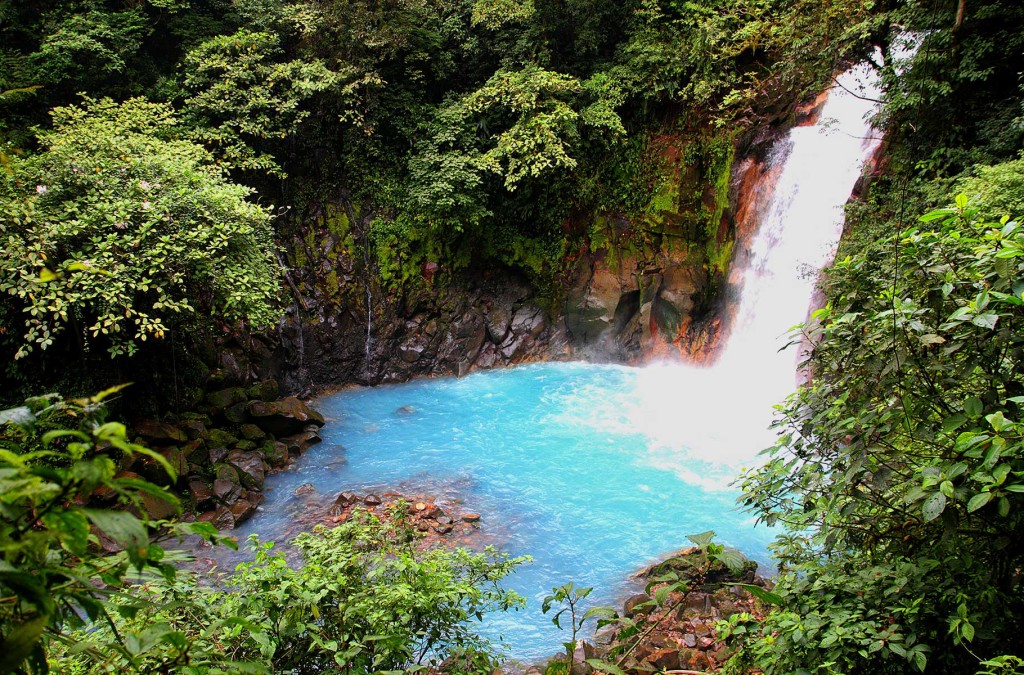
(223, 450)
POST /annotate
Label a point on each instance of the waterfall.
(775, 270)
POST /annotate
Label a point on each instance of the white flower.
(146, 205)
(144, 184)
(41, 189)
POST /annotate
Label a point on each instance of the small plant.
(571, 597)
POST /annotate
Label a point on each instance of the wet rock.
(195, 451)
(690, 640)
(225, 398)
(488, 357)
(217, 454)
(582, 652)
(252, 470)
(697, 601)
(275, 452)
(245, 445)
(347, 498)
(632, 606)
(194, 429)
(444, 520)
(604, 636)
(405, 411)
(202, 491)
(663, 659)
(226, 490)
(159, 432)
(286, 416)
(305, 489)
(372, 500)
(299, 443)
(221, 518)
(241, 510)
(471, 517)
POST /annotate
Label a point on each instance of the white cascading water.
(726, 407)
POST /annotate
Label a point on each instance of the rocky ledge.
(671, 627)
(223, 450)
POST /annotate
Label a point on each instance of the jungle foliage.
(87, 585)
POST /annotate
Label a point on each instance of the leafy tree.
(899, 472)
(121, 232)
(241, 95)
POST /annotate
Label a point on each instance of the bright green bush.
(61, 490)
(899, 472)
(364, 599)
(122, 232)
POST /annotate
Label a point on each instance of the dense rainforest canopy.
(159, 155)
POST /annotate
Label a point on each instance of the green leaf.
(979, 500)
(703, 539)
(46, 276)
(605, 667)
(122, 527)
(732, 559)
(763, 594)
(71, 528)
(933, 506)
(19, 643)
(967, 630)
(973, 407)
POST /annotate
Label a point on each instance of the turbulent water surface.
(595, 470)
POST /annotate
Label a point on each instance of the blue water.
(553, 459)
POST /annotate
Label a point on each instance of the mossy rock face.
(275, 452)
(219, 438)
(236, 414)
(251, 432)
(246, 445)
(227, 472)
(267, 390)
(226, 398)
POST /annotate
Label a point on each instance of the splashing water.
(597, 469)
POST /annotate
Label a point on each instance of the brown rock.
(152, 430)
(251, 432)
(156, 508)
(242, 509)
(286, 416)
(372, 500)
(301, 442)
(664, 659)
(193, 428)
(632, 605)
(221, 518)
(202, 492)
(251, 469)
(471, 517)
(226, 490)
